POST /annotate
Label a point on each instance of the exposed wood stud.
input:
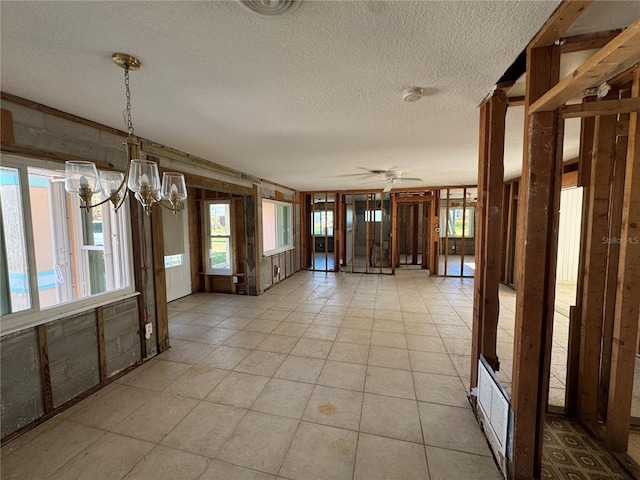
(45, 370)
(628, 301)
(587, 41)
(102, 356)
(6, 121)
(160, 280)
(603, 107)
(137, 239)
(621, 52)
(559, 22)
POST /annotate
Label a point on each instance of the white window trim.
(285, 248)
(24, 319)
(208, 269)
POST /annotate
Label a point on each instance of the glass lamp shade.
(144, 175)
(80, 176)
(111, 182)
(173, 186)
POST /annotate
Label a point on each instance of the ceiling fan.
(391, 177)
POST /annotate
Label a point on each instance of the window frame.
(207, 243)
(34, 316)
(283, 248)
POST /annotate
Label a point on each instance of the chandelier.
(141, 176)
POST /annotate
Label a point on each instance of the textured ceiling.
(304, 99)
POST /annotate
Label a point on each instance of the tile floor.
(325, 376)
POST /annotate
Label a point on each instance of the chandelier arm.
(159, 202)
(124, 197)
(111, 197)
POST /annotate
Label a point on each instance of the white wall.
(569, 235)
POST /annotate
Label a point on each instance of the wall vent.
(494, 404)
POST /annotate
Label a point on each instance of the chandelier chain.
(128, 93)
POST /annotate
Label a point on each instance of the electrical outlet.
(148, 330)
(235, 279)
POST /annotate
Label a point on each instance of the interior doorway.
(177, 262)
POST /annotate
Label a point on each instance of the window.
(218, 241)
(55, 258)
(277, 234)
(322, 223)
(454, 221)
(173, 260)
(373, 215)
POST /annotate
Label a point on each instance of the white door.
(178, 267)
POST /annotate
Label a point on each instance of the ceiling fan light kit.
(270, 8)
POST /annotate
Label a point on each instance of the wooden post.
(625, 329)
(137, 247)
(159, 279)
(45, 370)
(488, 232)
(595, 267)
(102, 356)
(536, 267)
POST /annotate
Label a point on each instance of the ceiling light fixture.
(140, 176)
(413, 94)
(270, 8)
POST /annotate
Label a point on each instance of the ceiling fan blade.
(411, 179)
(387, 187)
(355, 175)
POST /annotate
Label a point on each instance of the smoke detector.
(413, 94)
(270, 8)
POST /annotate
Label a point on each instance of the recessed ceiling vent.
(270, 8)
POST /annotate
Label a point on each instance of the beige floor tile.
(278, 344)
(291, 329)
(188, 331)
(328, 320)
(358, 323)
(156, 418)
(164, 463)
(197, 382)
(45, 453)
(235, 323)
(388, 326)
(320, 332)
(391, 417)
(216, 336)
(106, 411)
(238, 390)
(261, 363)
(188, 352)
(309, 347)
(425, 343)
(441, 389)
(283, 397)
(159, 375)
(320, 452)
(301, 317)
(334, 310)
(351, 335)
(412, 328)
(251, 312)
(225, 357)
(274, 314)
(447, 464)
(246, 339)
(350, 376)
(262, 326)
(442, 424)
(349, 352)
(382, 314)
(388, 357)
(260, 442)
(300, 369)
(225, 471)
(450, 331)
(208, 320)
(414, 317)
(109, 458)
(430, 362)
(335, 407)
(205, 429)
(380, 458)
(309, 307)
(360, 312)
(389, 381)
(386, 339)
(458, 346)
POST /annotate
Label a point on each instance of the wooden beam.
(6, 126)
(102, 357)
(45, 370)
(559, 22)
(515, 101)
(621, 52)
(601, 107)
(627, 298)
(136, 239)
(159, 280)
(539, 198)
(587, 41)
(595, 266)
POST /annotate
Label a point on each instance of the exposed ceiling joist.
(559, 22)
(619, 54)
(587, 41)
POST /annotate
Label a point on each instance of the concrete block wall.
(73, 356)
(121, 335)
(20, 387)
